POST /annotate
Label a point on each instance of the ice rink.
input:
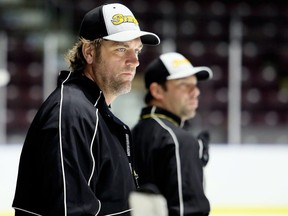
(240, 179)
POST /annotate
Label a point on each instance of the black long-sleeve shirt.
(167, 156)
(76, 156)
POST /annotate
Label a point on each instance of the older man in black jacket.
(76, 159)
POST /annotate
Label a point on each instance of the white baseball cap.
(173, 65)
(114, 22)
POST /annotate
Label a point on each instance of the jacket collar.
(153, 111)
(90, 88)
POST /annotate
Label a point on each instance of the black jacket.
(167, 156)
(76, 157)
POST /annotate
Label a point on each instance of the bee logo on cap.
(118, 19)
(178, 62)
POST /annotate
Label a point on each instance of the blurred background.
(245, 43)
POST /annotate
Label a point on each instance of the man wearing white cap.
(166, 155)
(76, 158)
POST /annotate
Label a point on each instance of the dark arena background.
(244, 106)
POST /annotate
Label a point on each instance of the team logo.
(118, 19)
(179, 62)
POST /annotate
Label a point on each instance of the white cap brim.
(146, 37)
(202, 72)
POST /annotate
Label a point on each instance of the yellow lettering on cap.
(118, 19)
(178, 62)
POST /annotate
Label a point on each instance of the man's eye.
(186, 85)
(121, 49)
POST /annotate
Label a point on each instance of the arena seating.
(199, 29)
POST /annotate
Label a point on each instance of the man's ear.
(88, 52)
(156, 90)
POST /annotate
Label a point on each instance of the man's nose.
(196, 91)
(133, 58)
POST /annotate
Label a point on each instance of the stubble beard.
(188, 113)
(116, 85)
(120, 88)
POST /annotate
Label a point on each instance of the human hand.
(147, 200)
